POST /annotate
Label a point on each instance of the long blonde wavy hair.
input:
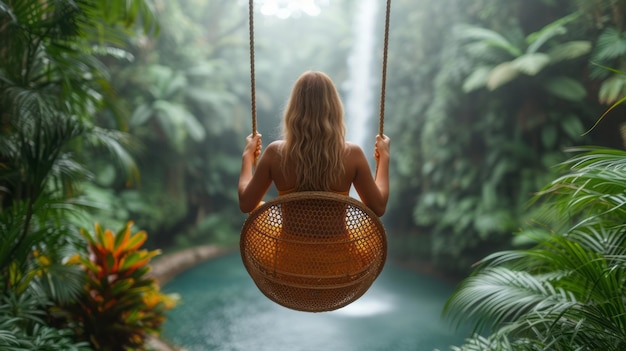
(314, 133)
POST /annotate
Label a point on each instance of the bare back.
(372, 192)
(357, 172)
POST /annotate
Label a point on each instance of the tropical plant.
(607, 18)
(504, 59)
(565, 292)
(183, 111)
(120, 304)
(611, 50)
(52, 83)
(475, 177)
(22, 327)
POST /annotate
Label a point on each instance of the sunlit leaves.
(502, 74)
(521, 58)
(612, 89)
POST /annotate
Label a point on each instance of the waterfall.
(358, 102)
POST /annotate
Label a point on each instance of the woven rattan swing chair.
(313, 251)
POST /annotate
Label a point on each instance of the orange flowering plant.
(121, 304)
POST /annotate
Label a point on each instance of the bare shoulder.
(276, 144)
(353, 150)
(274, 148)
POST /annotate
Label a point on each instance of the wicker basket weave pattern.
(313, 251)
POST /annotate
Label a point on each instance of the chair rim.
(316, 195)
(359, 284)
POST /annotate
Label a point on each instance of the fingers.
(254, 144)
(255, 136)
(381, 146)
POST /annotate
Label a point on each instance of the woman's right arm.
(373, 191)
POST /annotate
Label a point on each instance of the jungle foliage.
(499, 91)
(565, 291)
(53, 81)
(113, 111)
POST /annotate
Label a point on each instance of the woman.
(314, 155)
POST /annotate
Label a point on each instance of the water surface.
(222, 310)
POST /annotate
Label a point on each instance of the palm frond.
(498, 295)
(60, 282)
(610, 45)
(480, 343)
(595, 185)
(117, 144)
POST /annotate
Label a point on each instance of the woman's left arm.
(253, 182)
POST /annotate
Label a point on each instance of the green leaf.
(121, 286)
(135, 241)
(502, 74)
(194, 128)
(565, 88)
(537, 39)
(573, 127)
(612, 89)
(531, 64)
(141, 115)
(611, 44)
(569, 50)
(477, 80)
(110, 262)
(131, 259)
(487, 36)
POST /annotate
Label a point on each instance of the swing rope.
(381, 119)
(252, 75)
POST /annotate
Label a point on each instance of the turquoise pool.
(222, 310)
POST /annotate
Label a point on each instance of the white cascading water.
(359, 86)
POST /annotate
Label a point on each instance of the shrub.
(121, 304)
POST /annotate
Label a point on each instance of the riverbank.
(166, 267)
